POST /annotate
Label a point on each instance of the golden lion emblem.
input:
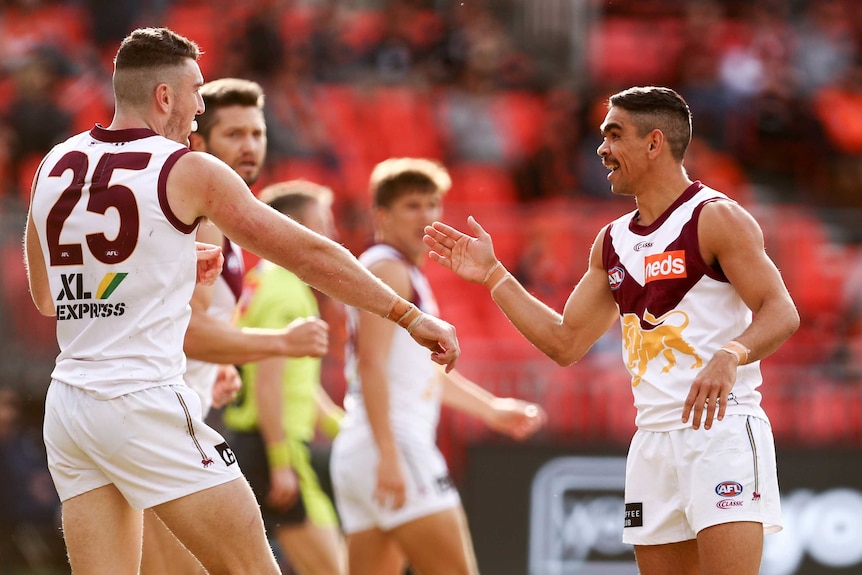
(664, 339)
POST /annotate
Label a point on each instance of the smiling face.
(623, 151)
(186, 103)
(402, 223)
(238, 138)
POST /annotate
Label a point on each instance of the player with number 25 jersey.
(114, 338)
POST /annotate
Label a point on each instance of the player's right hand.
(391, 489)
(440, 338)
(307, 336)
(472, 258)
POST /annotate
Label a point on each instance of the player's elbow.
(563, 354)
(792, 320)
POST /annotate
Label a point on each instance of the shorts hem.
(183, 491)
(402, 519)
(419, 513)
(768, 527)
(75, 493)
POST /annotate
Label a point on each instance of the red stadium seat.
(481, 184)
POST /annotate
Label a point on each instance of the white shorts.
(680, 482)
(151, 444)
(353, 467)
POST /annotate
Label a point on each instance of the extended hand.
(517, 419)
(472, 258)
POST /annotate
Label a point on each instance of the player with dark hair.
(700, 304)
(110, 252)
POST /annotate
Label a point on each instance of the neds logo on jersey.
(79, 306)
(664, 266)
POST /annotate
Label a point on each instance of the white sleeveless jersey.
(675, 311)
(201, 375)
(121, 266)
(413, 377)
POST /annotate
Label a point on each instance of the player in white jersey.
(700, 304)
(110, 252)
(392, 488)
(232, 128)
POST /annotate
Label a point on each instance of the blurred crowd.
(774, 84)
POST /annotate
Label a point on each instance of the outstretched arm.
(214, 340)
(200, 185)
(589, 312)
(513, 417)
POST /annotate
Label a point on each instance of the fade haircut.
(396, 177)
(293, 196)
(223, 93)
(654, 107)
(146, 58)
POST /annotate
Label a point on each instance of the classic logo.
(728, 489)
(642, 246)
(662, 339)
(616, 275)
(664, 266)
(728, 504)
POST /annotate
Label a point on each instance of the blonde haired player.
(393, 492)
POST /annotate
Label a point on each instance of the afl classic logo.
(728, 489)
(616, 276)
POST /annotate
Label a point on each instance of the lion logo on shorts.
(662, 339)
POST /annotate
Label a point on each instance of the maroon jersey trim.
(115, 136)
(163, 193)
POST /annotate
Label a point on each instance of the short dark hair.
(141, 54)
(226, 92)
(656, 107)
(395, 177)
(291, 197)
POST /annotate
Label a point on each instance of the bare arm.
(373, 342)
(37, 273)
(283, 488)
(201, 185)
(589, 312)
(516, 418)
(34, 262)
(329, 414)
(730, 235)
(214, 340)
